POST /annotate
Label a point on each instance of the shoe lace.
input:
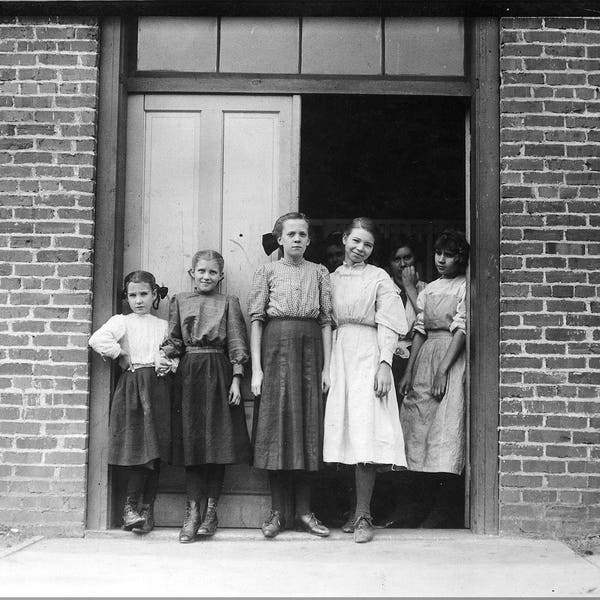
(274, 515)
(362, 521)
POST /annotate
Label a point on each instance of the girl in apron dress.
(434, 409)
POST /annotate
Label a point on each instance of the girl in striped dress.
(290, 310)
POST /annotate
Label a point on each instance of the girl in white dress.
(433, 411)
(362, 425)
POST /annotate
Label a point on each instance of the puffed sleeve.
(419, 322)
(259, 295)
(460, 318)
(325, 307)
(237, 336)
(173, 344)
(390, 318)
(106, 340)
(389, 310)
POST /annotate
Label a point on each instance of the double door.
(209, 172)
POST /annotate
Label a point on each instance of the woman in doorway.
(433, 410)
(207, 329)
(362, 426)
(401, 501)
(402, 263)
(290, 311)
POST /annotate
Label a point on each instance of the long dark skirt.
(140, 418)
(288, 432)
(205, 428)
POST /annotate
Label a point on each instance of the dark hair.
(145, 277)
(207, 255)
(402, 241)
(333, 239)
(363, 223)
(454, 241)
(278, 227)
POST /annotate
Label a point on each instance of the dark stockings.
(365, 482)
(283, 483)
(204, 480)
(143, 479)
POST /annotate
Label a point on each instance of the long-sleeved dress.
(140, 412)
(209, 334)
(369, 317)
(434, 430)
(294, 301)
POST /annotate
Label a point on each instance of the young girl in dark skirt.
(290, 310)
(207, 330)
(140, 414)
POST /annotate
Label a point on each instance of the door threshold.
(250, 535)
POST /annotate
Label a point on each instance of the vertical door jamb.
(108, 246)
(485, 274)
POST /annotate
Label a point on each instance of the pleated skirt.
(205, 428)
(288, 423)
(140, 418)
(434, 431)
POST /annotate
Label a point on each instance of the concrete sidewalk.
(242, 563)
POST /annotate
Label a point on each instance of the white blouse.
(139, 335)
(365, 294)
(442, 305)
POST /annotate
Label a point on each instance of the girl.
(140, 411)
(362, 427)
(207, 330)
(290, 310)
(402, 269)
(400, 499)
(433, 412)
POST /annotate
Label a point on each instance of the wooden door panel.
(209, 172)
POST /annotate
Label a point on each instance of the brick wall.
(550, 276)
(48, 87)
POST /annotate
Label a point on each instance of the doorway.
(479, 90)
(401, 161)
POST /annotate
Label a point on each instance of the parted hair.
(207, 255)
(278, 227)
(145, 277)
(365, 223)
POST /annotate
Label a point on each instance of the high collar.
(351, 265)
(293, 263)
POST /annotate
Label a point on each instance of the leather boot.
(131, 516)
(147, 513)
(210, 521)
(193, 516)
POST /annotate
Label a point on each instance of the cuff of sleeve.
(457, 327)
(386, 356)
(260, 318)
(238, 369)
(419, 329)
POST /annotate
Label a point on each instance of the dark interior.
(401, 161)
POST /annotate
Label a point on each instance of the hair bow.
(269, 243)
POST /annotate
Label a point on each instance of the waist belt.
(135, 366)
(203, 349)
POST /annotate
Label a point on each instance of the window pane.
(349, 46)
(259, 45)
(424, 46)
(177, 44)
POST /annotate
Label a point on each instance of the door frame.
(484, 225)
